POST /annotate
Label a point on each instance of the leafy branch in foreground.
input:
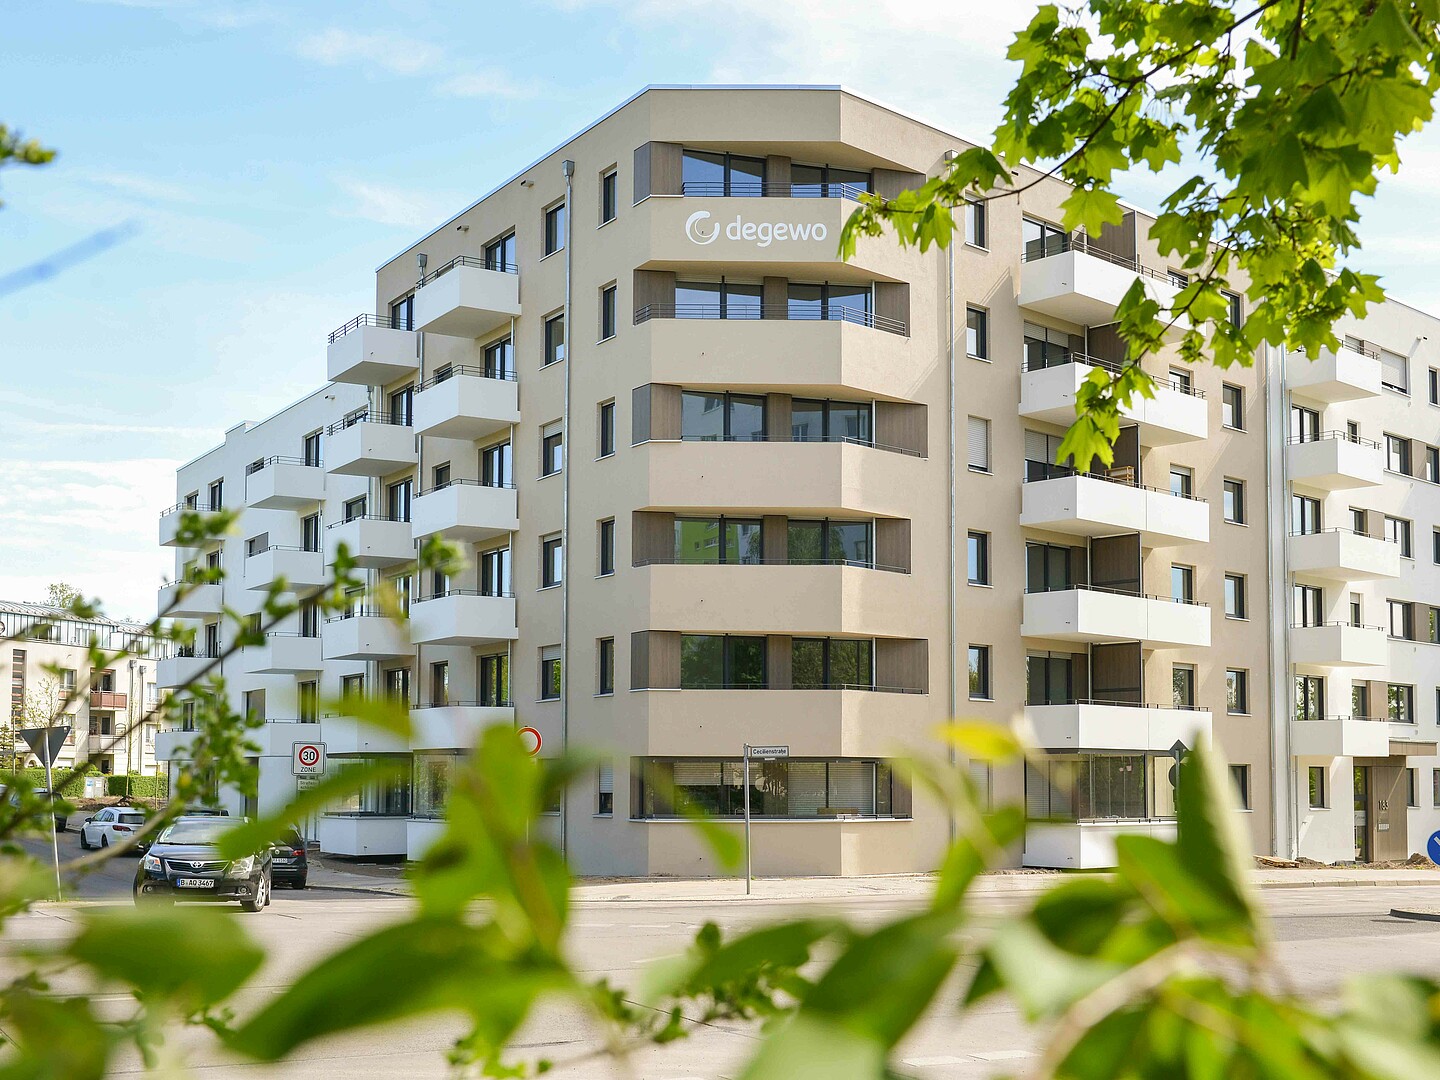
(1288, 109)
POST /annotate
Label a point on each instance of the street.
(1322, 933)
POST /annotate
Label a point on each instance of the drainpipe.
(1284, 830)
(952, 628)
(568, 168)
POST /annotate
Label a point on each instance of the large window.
(721, 662)
(852, 303)
(718, 299)
(707, 417)
(500, 254)
(704, 172)
(832, 663)
(1045, 347)
(1401, 532)
(1047, 568)
(1401, 700)
(1304, 424)
(554, 228)
(832, 421)
(493, 672)
(1304, 515)
(778, 789)
(719, 540)
(388, 797)
(1049, 679)
(1309, 604)
(499, 359)
(496, 466)
(433, 775)
(1309, 697)
(829, 541)
(827, 182)
(978, 553)
(1040, 238)
(1397, 454)
(1099, 786)
(494, 572)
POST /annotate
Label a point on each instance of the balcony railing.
(197, 652)
(187, 505)
(107, 699)
(777, 312)
(469, 260)
(1114, 367)
(464, 483)
(1343, 529)
(463, 592)
(367, 517)
(449, 703)
(470, 372)
(863, 564)
(1118, 592)
(359, 612)
(771, 189)
(1058, 245)
(265, 463)
(1116, 702)
(383, 321)
(1316, 625)
(370, 416)
(869, 687)
(850, 439)
(1039, 471)
(1344, 716)
(1326, 436)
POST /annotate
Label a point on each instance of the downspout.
(1284, 830)
(568, 168)
(953, 632)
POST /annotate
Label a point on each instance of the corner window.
(554, 228)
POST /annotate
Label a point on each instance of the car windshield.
(195, 832)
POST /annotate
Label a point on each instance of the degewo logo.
(761, 233)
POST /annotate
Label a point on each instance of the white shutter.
(807, 788)
(982, 777)
(852, 787)
(978, 440)
(697, 774)
(1037, 792)
(1394, 370)
(1037, 447)
(607, 779)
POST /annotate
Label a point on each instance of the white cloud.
(397, 55)
(489, 83)
(143, 186)
(387, 205)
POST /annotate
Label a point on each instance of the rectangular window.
(975, 230)
(832, 663)
(310, 532)
(1309, 601)
(1394, 372)
(552, 449)
(554, 340)
(1412, 796)
(440, 683)
(497, 464)
(977, 333)
(607, 312)
(494, 678)
(980, 673)
(607, 428)
(1047, 568)
(310, 449)
(1182, 583)
(402, 313)
(722, 662)
(1235, 502)
(500, 254)
(707, 417)
(609, 195)
(1431, 471)
(552, 561)
(354, 508)
(554, 229)
(605, 788)
(1309, 697)
(1235, 598)
(726, 540)
(1318, 798)
(1402, 619)
(494, 572)
(1182, 686)
(550, 674)
(1182, 481)
(217, 495)
(1435, 786)
(979, 554)
(606, 543)
(1240, 777)
(1304, 424)
(499, 359)
(605, 665)
(1232, 407)
(1435, 389)
(1236, 308)
(1237, 691)
(1401, 702)
(1399, 531)
(978, 443)
(1397, 454)
(828, 542)
(1304, 515)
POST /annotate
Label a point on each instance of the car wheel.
(104, 842)
(300, 881)
(261, 899)
(154, 900)
(84, 840)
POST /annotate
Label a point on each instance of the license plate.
(195, 882)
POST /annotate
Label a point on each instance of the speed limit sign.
(308, 758)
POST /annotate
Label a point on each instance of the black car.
(288, 863)
(185, 863)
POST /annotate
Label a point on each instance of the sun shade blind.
(607, 779)
(1394, 371)
(852, 786)
(979, 443)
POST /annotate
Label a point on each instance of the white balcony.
(300, 569)
(1339, 736)
(1096, 616)
(170, 523)
(1091, 506)
(1086, 287)
(1343, 375)
(173, 745)
(1086, 845)
(368, 635)
(282, 654)
(1342, 555)
(462, 617)
(1095, 726)
(457, 726)
(1335, 462)
(365, 447)
(362, 834)
(346, 736)
(178, 600)
(464, 299)
(1338, 645)
(369, 352)
(1171, 416)
(465, 510)
(373, 542)
(173, 671)
(467, 404)
(422, 834)
(283, 484)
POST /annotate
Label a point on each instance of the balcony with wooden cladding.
(107, 701)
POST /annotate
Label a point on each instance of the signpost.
(530, 739)
(45, 743)
(761, 753)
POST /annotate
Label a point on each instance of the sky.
(261, 159)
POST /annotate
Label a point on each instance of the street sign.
(308, 758)
(45, 742)
(1433, 847)
(761, 753)
(768, 753)
(305, 783)
(530, 740)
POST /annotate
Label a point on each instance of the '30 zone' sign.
(308, 758)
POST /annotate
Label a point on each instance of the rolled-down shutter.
(978, 441)
(852, 787)
(607, 779)
(1394, 370)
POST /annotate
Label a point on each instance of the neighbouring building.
(718, 487)
(110, 721)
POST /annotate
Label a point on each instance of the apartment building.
(717, 487)
(108, 721)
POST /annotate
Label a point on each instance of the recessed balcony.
(1334, 461)
(374, 542)
(345, 736)
(1339, 736)
(1330, 645)
(282, 654)
(1347, 374)
(371, 351)
(1085, 285)
(467, 297)
(1344, 555)
(370, 444)
(183, 668)
(1107, 725)
(1100, 505)
(1096, 615)
(299, 568)
(465, 510)
(365, 634)
(189, 600)
(456, 725)
(462, 617)
(282, 483)
(466, 403)
(1176, 414)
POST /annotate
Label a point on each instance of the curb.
(1432, 915)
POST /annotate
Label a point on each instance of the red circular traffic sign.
(530, 740)
(309, 756)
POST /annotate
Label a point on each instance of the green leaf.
(983, 740)
(1043, 978)
(1092, 209)
(52, 1038)
(811, 1046)
(1210, 840)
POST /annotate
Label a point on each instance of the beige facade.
(718, 487)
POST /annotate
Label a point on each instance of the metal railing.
(280, 547)
(370, 416)
(1123, 475)
(368, 517)
(462, 592)
(1059, 245)
(449, 703)
(480, 263)
(1364, 348)
(1112, 366)
(187, 505)
(265, 463)
(868, 687)
(1341, 622)
(447, 374)
(360, 611)
(1343, 529)
(1118, 703)
(749, 189)
(1327, 436)
(777, 312)
(863, 564)
(383, 321)
(1118, 592)
(1344, 716)
(849, 439)
(196, 652)
(463, 483)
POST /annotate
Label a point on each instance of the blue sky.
(271, 155)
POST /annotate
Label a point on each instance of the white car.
(113, 825)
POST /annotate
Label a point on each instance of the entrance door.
(1362, 800)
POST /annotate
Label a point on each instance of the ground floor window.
(778, 789)
(1088, 787)
(433, 773)
(389, 797)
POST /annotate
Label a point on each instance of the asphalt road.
(1322, 934)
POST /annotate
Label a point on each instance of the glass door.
(1362, 799)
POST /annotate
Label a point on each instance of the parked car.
(288, 862)
(114, 825)
(39, 793)
(185, 863)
